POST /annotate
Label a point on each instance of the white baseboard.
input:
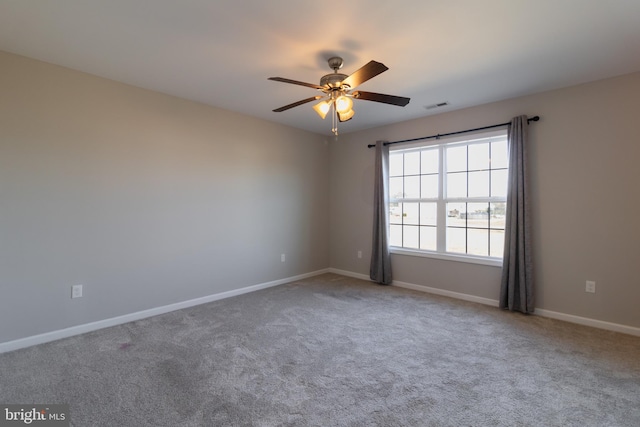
(445, 293)
(600, 324)
(106, 323)
(349, 274)
(114, 321)
(421, 288)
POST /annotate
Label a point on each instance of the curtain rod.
(438, 136)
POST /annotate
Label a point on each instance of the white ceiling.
(220, 52)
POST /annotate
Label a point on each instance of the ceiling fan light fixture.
(322, 108)
(348, 115)
(338, 92)
(344, 104)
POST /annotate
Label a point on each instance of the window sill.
(494, 262)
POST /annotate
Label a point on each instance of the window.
(449, 199)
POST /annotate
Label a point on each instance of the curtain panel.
(516, 290)
(380, 268)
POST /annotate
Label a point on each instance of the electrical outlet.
(590, 287)
(359, 254)
(76, 291)
(283, 258)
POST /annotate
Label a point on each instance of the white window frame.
(442, 200)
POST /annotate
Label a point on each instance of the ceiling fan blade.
(365, 73)
(295, 104)
(295, 82)
(381, 97)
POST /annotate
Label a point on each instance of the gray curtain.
(380, 269)
(516, 292)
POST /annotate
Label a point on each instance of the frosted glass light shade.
(346, 115)
(322, 108)
(343, 104)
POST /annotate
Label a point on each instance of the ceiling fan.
(338, 90)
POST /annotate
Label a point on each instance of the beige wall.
(584, 156)
(143, 198)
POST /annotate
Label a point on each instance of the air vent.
(438, 105)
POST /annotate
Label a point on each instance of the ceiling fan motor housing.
(333, 80)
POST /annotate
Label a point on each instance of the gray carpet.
(335, 351)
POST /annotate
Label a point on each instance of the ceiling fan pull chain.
(334, 116)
